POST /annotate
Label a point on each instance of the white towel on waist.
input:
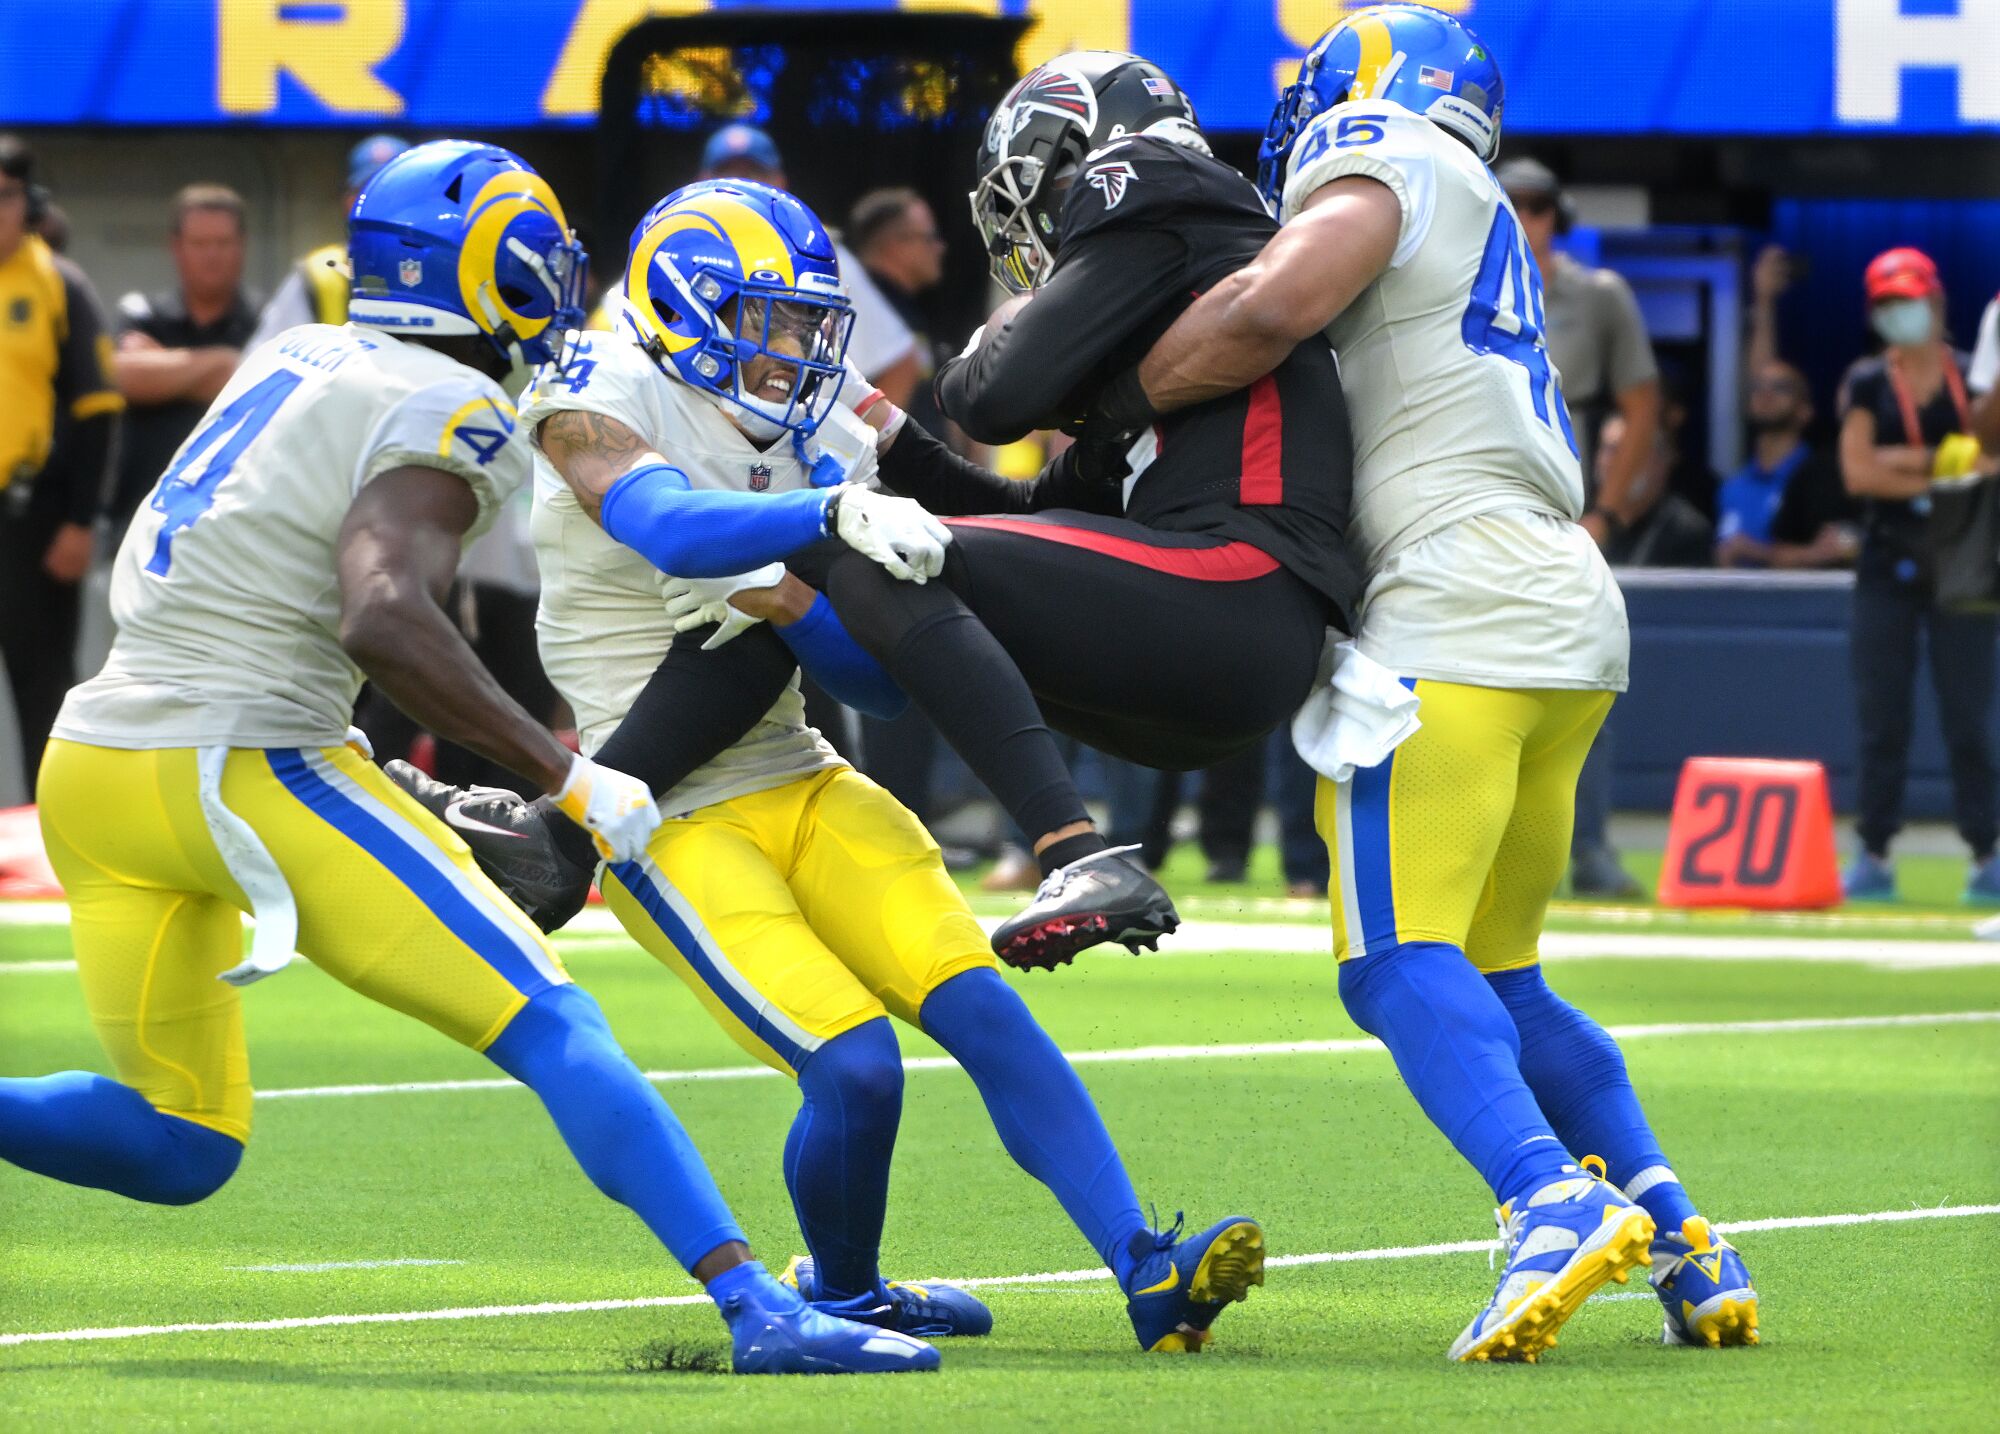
(276, 938)
(1357, 714)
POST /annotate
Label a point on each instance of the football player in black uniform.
(1167, 602)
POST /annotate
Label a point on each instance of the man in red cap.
(1905, 414)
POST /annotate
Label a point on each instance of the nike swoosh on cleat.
(1173, 1278)
(457, 818)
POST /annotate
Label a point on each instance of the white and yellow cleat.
(1704, 1289)
(1566, 1239)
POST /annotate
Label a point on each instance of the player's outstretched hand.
(511, 841)
(618, 811)
(701, 602)
(895, 532)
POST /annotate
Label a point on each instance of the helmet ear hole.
(515, 297)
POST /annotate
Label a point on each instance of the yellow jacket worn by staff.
(203, 773)
(54, 354)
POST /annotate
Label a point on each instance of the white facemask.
(1902, 321)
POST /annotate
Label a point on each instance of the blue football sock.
(626, 1138)
(1045, 1117)
(88, 1130)
(1578, 1075)
(1457, 1052)
(837, 1155)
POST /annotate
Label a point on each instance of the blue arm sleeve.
(838, 664)
(654, 512)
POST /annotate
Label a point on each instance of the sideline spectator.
(315, 292)
(55, 360)
(1667, 530)
(896, 238)
(1983, 378)
(1598, 343)
(1895, 410)
(1786, 507)
(178, 347)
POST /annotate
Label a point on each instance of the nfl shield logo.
(411, 272)
(760, 477)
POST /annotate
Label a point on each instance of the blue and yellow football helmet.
(728, 271)
(1411, 55)
(453, 237)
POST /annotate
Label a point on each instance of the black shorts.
(1168, 649)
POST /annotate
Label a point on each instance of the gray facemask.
(1902, 321)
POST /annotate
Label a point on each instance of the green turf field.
(1833, 1104)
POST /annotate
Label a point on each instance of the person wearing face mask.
(1904, 416)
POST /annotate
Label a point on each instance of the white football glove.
(618, 811)
(895, 532)
(697, 602)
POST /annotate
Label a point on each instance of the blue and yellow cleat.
(1567, 1239)
(1704, 1288)
(932, 1310)
(776, 1332)
(1178, 1288)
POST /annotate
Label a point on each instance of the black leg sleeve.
(963, 679)
(694, 705)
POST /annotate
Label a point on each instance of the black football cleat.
(511, 841)
(1106, 896)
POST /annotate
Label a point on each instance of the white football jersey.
(603, 623)
(225, 592)
(1457, 413)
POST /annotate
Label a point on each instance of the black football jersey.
(1147, 227)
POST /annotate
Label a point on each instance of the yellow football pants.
(389, 903)
(800, 912)
(1462, 834)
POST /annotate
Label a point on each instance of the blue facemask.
(1902, 321)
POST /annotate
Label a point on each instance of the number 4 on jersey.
(183, 498)
(1509, 285)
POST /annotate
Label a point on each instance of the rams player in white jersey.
(1487, 599)
(715, 432)
(305, 536)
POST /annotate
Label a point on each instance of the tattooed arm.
(592, 452)
(647, 504)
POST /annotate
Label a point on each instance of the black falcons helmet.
(1056, 114)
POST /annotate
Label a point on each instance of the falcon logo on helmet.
(1039, 139)
(1050, 87)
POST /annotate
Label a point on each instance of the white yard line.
(321, 1266)
(1242, 1050)
(1207, 938)
(1052, 1277)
